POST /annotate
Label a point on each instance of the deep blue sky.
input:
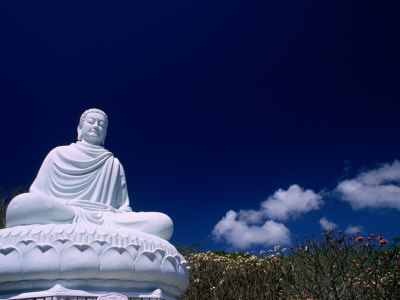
(214, 105)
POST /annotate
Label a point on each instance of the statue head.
(92, 127)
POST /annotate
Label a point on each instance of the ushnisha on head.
(92, 128)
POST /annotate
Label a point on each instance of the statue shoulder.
(59, 149)
(62, 148)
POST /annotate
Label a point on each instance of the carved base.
(37, 257)
(62, 293)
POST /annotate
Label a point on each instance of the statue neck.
(85, 143)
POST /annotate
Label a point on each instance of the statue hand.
(89, 205)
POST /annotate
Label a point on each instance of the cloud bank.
(291, 203)
(377, 188)
(374, 188)
(251, 227)
(241, 235)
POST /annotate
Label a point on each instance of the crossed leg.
(34, 208)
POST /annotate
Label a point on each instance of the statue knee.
(165, 226)
(166, 222)
(32, 208)
(15, 210)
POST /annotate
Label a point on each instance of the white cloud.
(354, 229)
(242, 235)
(251, 216)
(291, 203)
(375, 188)
(327, 225)
(252, 227)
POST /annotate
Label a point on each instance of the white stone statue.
(84, 182)
(75, 229)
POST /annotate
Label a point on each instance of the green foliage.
(214, 276)
(187, 250)
(395, 245)
(333, 267)
(233, 256)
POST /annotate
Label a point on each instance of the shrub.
(216, 276)
(334, 267)
(337, 267)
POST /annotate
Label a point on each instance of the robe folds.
(87, 175)
(85, 185)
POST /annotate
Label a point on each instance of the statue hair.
(88, 111)
(83, 117)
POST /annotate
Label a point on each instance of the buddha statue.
(84, 183)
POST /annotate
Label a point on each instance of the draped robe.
(85, 178)
(84, 173)
(83, 184)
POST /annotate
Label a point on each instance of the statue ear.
(79, 134)
(102, 143)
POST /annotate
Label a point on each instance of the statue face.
(94, 129)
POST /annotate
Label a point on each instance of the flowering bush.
(232, 276)
(337, 267)
(334, 267)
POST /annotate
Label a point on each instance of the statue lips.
(95, 132)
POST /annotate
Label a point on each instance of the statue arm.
(41, 184)
(124, 193)
(125, 207)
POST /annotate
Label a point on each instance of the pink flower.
(380, 237)
(360, 239)
(383, 242)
